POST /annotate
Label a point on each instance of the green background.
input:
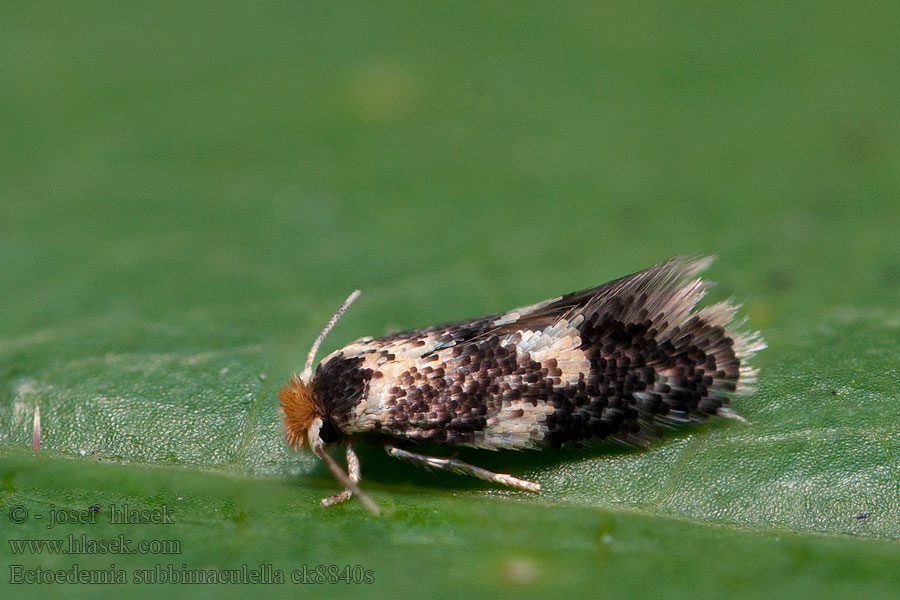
(187, 193)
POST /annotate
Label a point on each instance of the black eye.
(328, 433)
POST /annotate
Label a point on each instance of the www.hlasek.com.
(82, 544)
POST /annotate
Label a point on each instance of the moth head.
(298, 395)
(298, 408)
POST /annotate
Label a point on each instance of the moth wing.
(658, 303)
(653, 282)
(517, 379)
(654, 290)
(658, 297)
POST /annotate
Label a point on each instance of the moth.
(613, 363)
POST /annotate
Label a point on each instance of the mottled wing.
(605, 363)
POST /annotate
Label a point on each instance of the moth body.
(611, 363)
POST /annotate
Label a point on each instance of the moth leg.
(352, 471)
(458, 466)
(315, 442)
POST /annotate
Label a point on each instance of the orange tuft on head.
(299, 411)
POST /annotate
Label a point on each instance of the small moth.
(612, 363)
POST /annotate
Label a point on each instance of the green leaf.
(187, 193)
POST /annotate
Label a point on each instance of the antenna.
(307, 371)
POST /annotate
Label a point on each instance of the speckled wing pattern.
(609, 363)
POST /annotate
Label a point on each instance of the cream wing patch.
(559, 342)
(390, 358)
(518, 425)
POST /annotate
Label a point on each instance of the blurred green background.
(187, 192)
